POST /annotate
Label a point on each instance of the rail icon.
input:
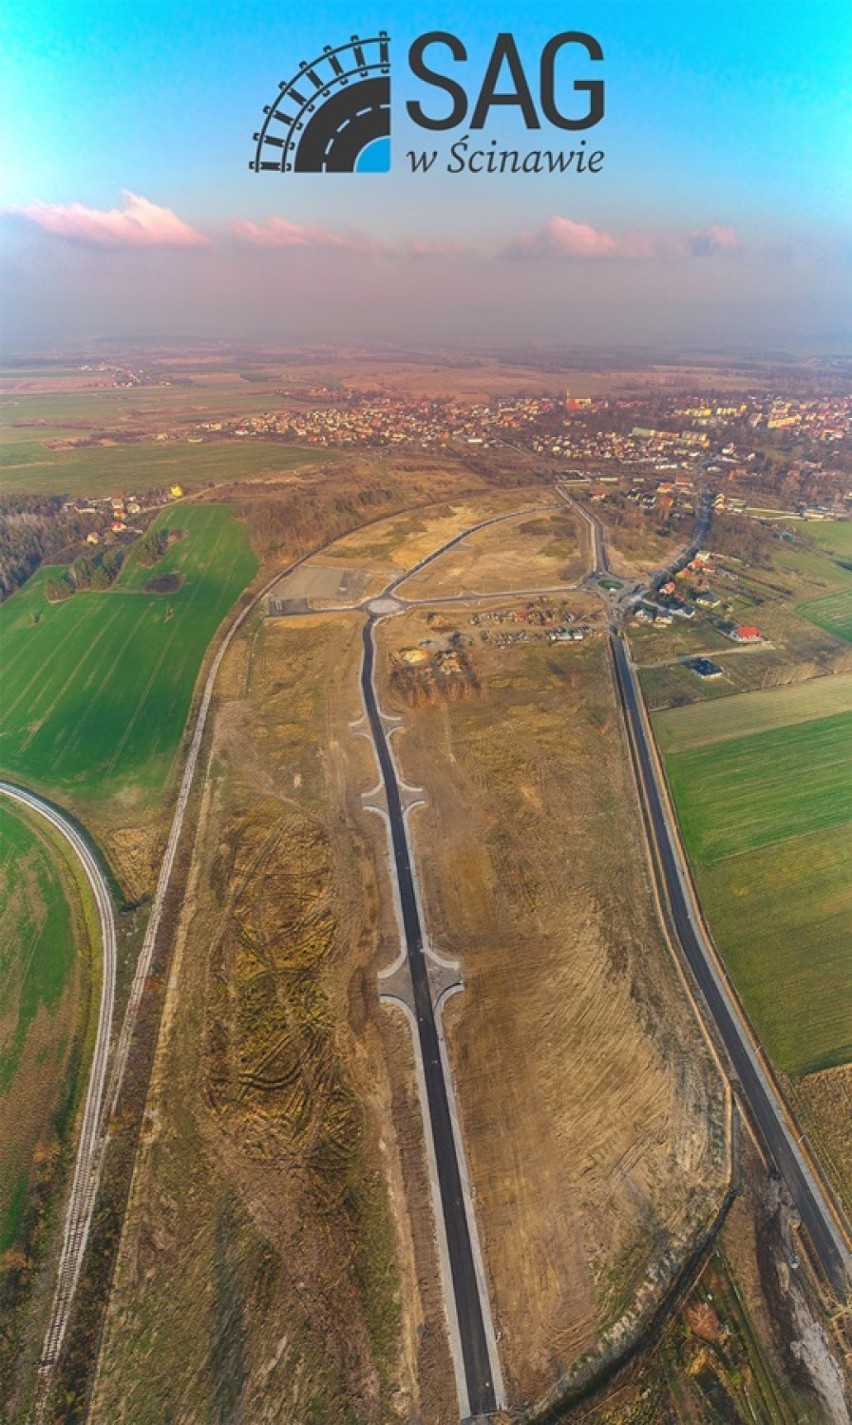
(333, 116)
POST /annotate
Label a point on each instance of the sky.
(719, 217)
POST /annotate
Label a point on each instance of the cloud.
(140, 223)
(562, 237)
(280, 232)
(707, 241)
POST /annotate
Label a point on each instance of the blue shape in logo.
(375, 158)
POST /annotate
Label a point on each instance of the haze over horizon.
(720, 218)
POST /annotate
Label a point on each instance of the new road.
(766, 1109)
(79, 1213)
(474, 1346)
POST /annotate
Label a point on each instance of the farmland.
(116, 469)
(781, 915)
(97, 687)
(127, 429)
(678, 729)
(833, 613)
(763, 794)
(45, 989)
(742, 793)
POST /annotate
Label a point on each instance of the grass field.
(742, 793)
(781, 915)
(115, 469)
(763, 791)
(827, 560)
(42, 976)
(96, 692)
(833, 613)
(679, 729)
(834, 536)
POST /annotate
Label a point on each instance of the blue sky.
(726, 117)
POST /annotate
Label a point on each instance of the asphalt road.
(480, 1387)
(764, 1105)
(766, 1110)
(81, 1201)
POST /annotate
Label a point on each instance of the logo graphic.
(334, 116)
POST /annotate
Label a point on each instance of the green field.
(43, 979)
(762, 783)
(678, 729)
(827, 560)
(745, 792)
(782, 917)
(96, 689)
(834, 536)
(25, 466)
(833, 613)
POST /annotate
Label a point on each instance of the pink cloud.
(561, 237)
(707, 241)
(280, 232)
(140, 223)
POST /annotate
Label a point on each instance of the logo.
(333, 116)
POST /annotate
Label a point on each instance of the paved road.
(81, 1202)
(474, 1346)
(765, 1106)
(764, 1103)
(766, 1109)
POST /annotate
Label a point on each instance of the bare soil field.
(591, 1111)
(278, 1259)
(637, 549)
(320, 583)
(533, 551)
(822, 1104)
(443, 373)
(391, 546)
(267, 1252)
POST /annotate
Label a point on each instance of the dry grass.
(391, 546)
(534, 551)
(590, 1110)
(258, 1272)
(278, 1259)
(822, 1104)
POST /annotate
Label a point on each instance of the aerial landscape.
(425, 725)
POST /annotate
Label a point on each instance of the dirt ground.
(278, 1258)
(269, 1243)
(593, 1118)
(750, 1342)
(822, 1104)
(393, 545)
(534, 551)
